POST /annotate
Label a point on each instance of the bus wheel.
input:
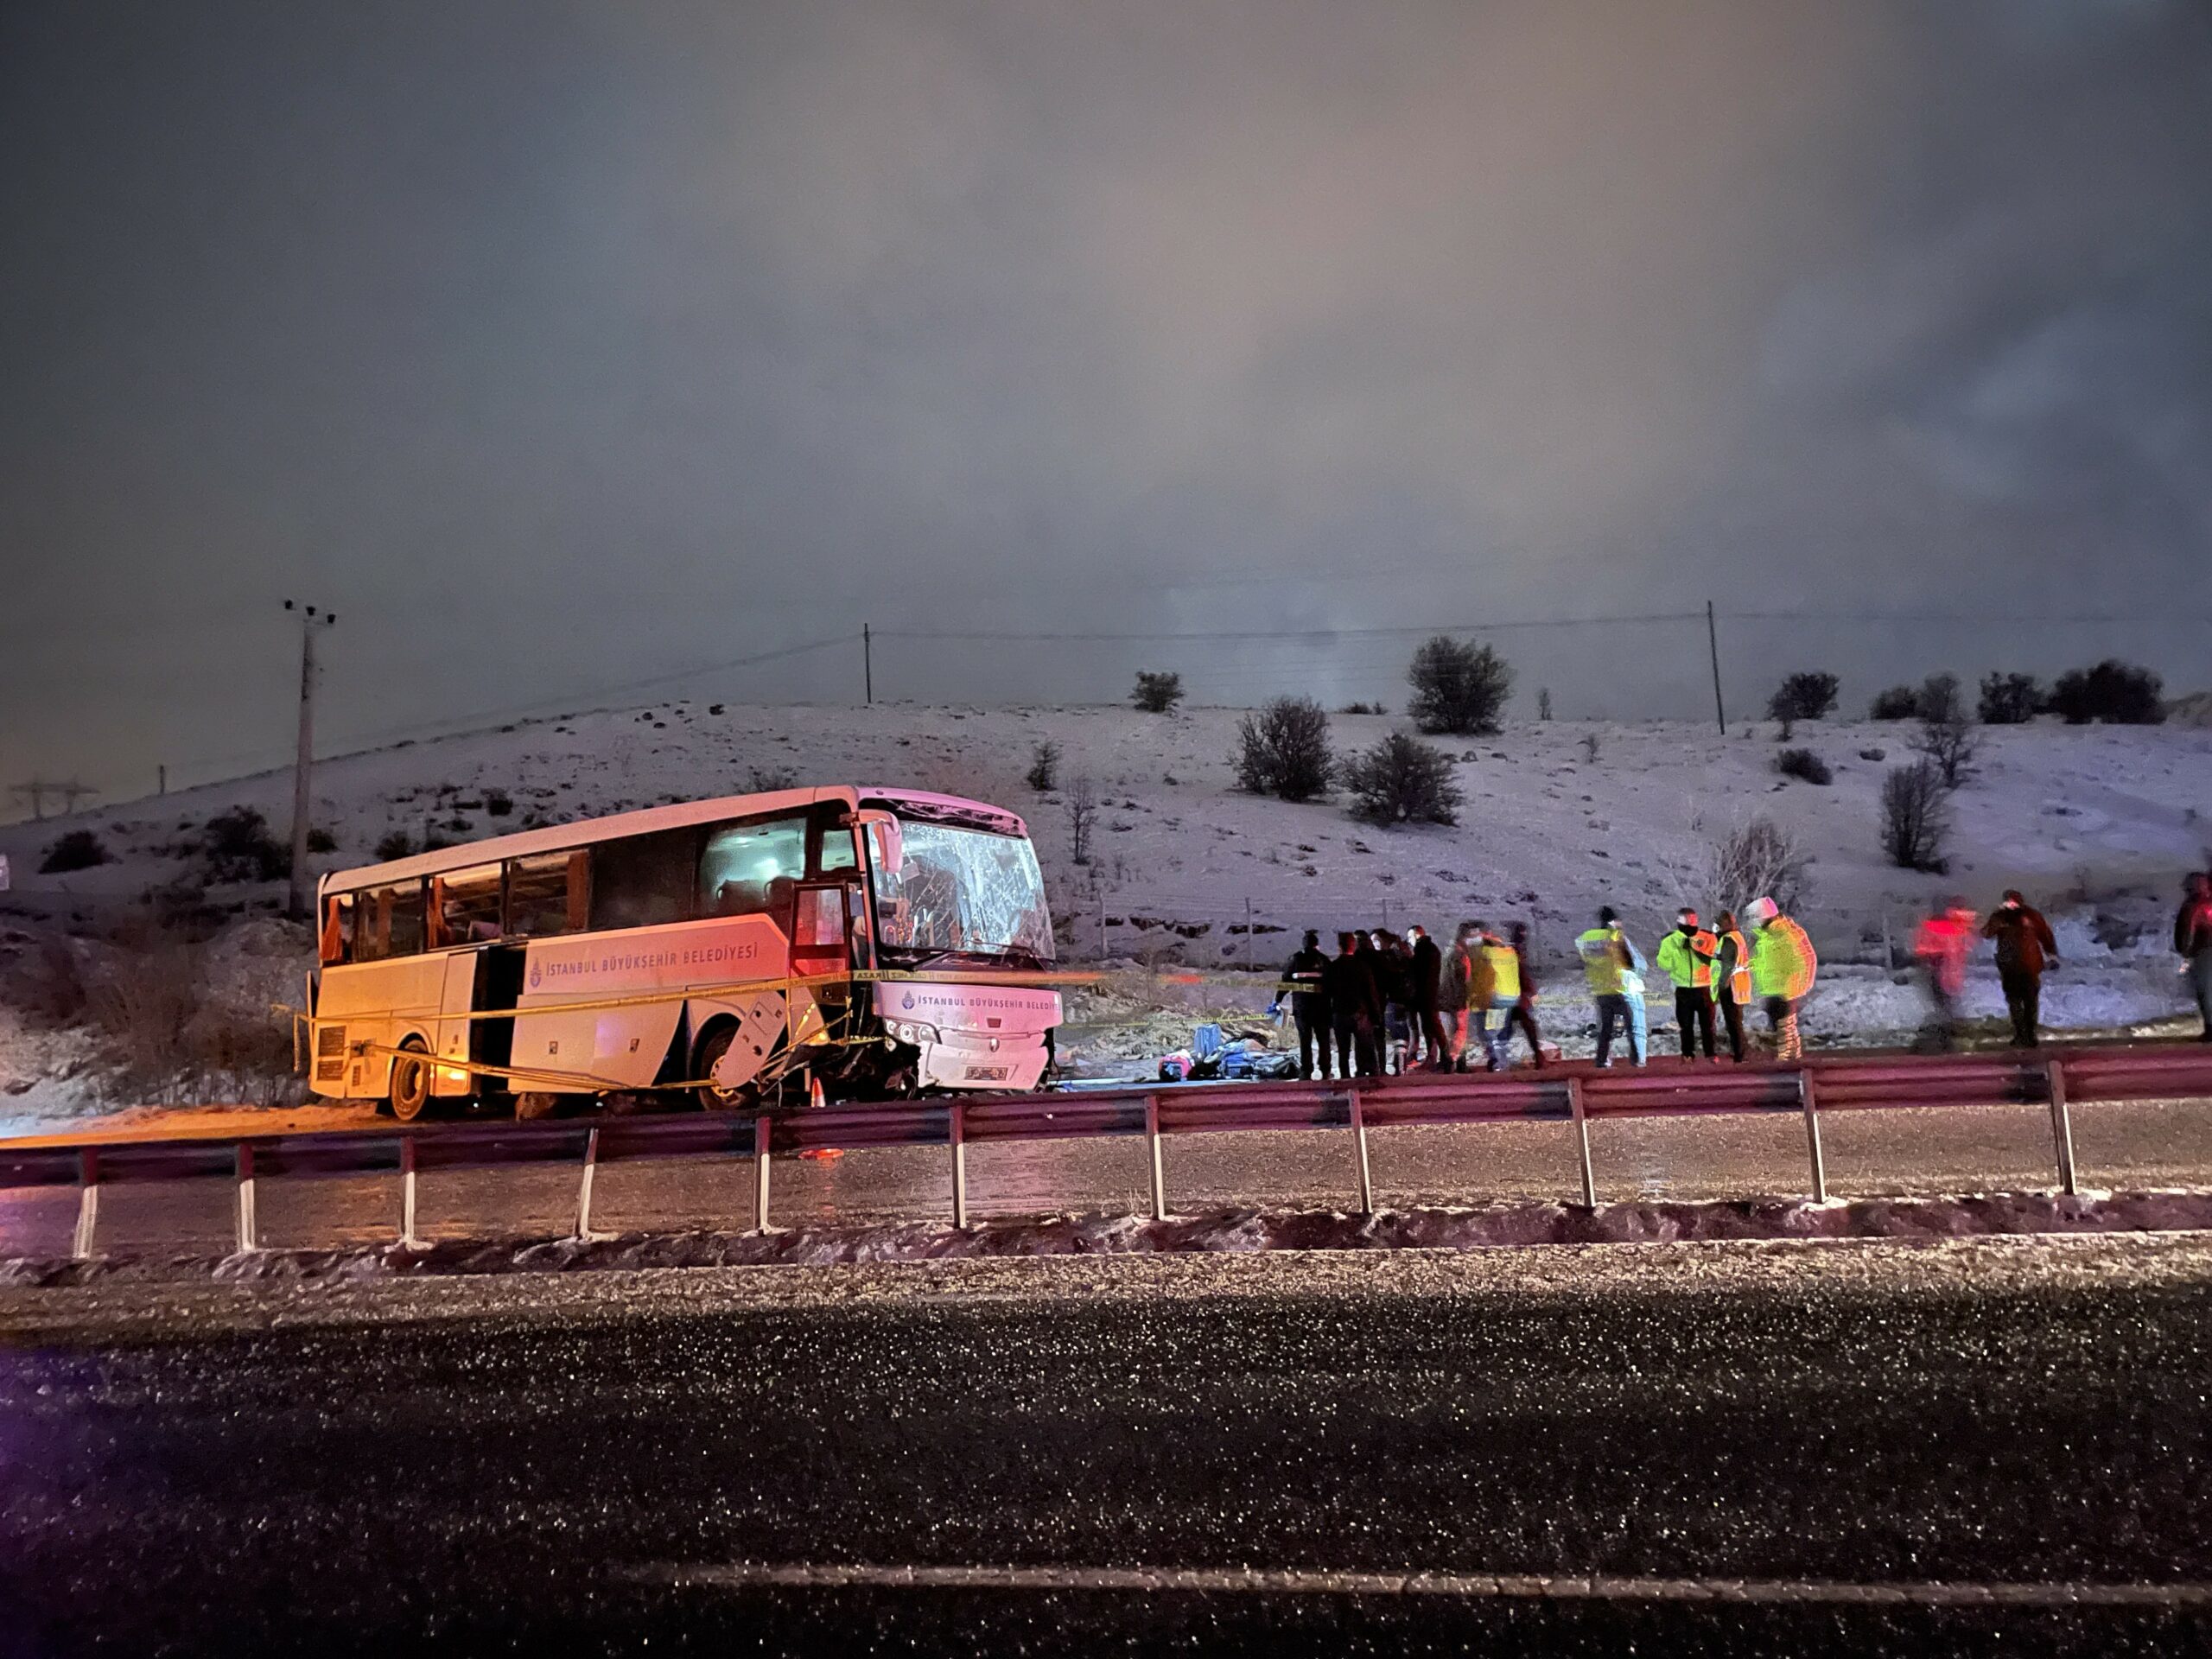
(710, 1097)
(410, 1081)
(534, 1104)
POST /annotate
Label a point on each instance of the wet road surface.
(2119, 1147)
(544, 1464)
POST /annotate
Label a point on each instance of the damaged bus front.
(958, 898)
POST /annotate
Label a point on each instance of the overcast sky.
(562, 346)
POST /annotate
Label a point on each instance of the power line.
(437, 728)
(1220, 637)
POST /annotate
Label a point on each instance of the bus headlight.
(914, 1031)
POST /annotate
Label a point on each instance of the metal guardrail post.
(1582, 1142)
(407, 1192)
(2062, 1128)
(1359, 1148)
(584, 1187)
(249, 1232)
(1806, 1093)
(956, 1131)
(760, 1174)
(1158, 1175)
(88, 1201)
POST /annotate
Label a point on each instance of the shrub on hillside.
(1157, 693)
(498, 803)
(1082, 817)
(77, 849)
(1801, 696)
(1458, 688)
(236, 846)
(1939, 699)
(1805, 765)
(1403, 781)
(1917, 817)
(1898, 702)
(1282, 750)
(396, 845)
(2119, 694)
(2010, 699)
(1044, 771)
(767, 780)
(320, 840)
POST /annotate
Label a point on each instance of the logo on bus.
(908, 1001)
(537, 973)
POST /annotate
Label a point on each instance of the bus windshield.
(967, 890)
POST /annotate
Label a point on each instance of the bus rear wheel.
(410, 1080)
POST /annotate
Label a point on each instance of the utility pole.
(1713, 643)
(868, 662)
(311, 623)
(161, 778)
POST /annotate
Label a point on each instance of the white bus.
(881, 942)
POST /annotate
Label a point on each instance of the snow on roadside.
(1507, 1226)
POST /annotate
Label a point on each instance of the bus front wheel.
(710, 1096)
(410, 1080)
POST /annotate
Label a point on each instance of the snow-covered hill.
(1557, 816)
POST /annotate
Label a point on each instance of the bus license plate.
(989, 1073)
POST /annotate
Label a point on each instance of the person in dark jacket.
(1424, 974)
(2193, 944)
(2025, 948)
(1389, 961)
(1355, 1006)
(1309, 1003)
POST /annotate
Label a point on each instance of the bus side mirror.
(888, 843)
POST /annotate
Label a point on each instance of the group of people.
(1392, 1002)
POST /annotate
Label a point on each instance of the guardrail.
(1571, 1094)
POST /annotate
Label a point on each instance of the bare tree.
(1916, 816)
(1756, 860)
(1082, 813)
(1950, 741)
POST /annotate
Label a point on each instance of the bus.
(877, 942)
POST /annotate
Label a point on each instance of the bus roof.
(616, 826)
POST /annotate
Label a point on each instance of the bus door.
(499, 970)
(822, 945)
(457, 996)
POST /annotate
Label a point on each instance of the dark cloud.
(561, 348)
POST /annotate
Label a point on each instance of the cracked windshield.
(963, 890)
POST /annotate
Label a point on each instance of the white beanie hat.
(1763, 911)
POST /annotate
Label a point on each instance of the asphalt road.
(2000, 1148)
(550, 1464)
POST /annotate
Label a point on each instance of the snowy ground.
(2096, 823)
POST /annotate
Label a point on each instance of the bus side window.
(642, 881)
(387, 922)
(337, 934)
(468, 904)
(541, 899)
(751, 869)
(837, 853)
